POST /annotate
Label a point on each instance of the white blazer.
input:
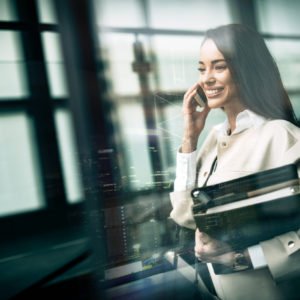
(272, 144)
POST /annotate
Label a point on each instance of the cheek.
(225, 78)
(232, 89)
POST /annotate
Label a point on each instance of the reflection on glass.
(13, 82)
(295, 99)
(188, 15)
(177, 59)
(287, 56)
(119, 13)
(69, 156)
(119, 53)
(132, 125)
(168, 116)
(46, 11)
(55, 65)
(7, 12)
(278, 17)
(20, 184)
(170, 128)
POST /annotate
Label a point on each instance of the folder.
(244, 211)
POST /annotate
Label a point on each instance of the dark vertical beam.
(160, 107)
(244, 12)
(142, 67)
(41, 108)
(90, 110)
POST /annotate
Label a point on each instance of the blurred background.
(90, 122)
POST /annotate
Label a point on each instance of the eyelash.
(218, 67)
(221, 67)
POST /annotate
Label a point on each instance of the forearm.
(185, 171)
(189, 144)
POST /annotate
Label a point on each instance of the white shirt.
(186, 169)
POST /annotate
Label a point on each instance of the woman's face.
(215, 78)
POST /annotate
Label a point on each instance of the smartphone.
(200, 97)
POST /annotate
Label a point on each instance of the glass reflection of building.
(150, 50)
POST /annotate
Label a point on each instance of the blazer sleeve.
(282, 254)
(182, 201)
(182, 208)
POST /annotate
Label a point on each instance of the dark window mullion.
(41, 107)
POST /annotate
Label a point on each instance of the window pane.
(135, 137)
(119, 53)
(119, 13)
(189, 14)
(278, 16)
(69, 156)
(170, 128)
(287, 56)
(55, 65)
(13, 82)
(46, 11)
(20, 185)
(296, 104)
(7, 12)
(177, 59)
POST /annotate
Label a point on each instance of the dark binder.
(254, 208)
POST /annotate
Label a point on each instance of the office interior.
(90, 104)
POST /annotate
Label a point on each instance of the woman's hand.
(210, 250)
(194, 120)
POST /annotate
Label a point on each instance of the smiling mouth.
(213, 92)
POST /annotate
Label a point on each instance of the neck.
(232, 115)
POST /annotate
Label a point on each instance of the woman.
(238, 75)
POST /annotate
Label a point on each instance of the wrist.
(241, 261)
(189, 145)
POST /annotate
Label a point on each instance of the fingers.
(192, 89)
(205, 239)
(201, 240)
(190, 104)
(201, 237)
(205, 111)
(189, 95)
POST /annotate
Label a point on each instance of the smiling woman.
(238, 75)
(216, 80)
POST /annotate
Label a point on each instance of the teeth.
(212, 92)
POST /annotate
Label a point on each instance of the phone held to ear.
(200, 97)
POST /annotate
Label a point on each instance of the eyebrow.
(213, 62)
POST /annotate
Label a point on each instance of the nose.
(208, 78)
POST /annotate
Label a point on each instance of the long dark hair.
(254, 71)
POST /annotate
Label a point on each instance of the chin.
(215, 103)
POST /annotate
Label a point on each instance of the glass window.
(119, 13)
(295, 99)
(13, 83)
(120, 56)
(55, 65)
(136, 146)
(177, 61)
(287, 56)
(278, 16)
(168, 114)
(189, 14)
(7, 12)
(20, 185)
(170, 128)
(69, 156)
(46, 11)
